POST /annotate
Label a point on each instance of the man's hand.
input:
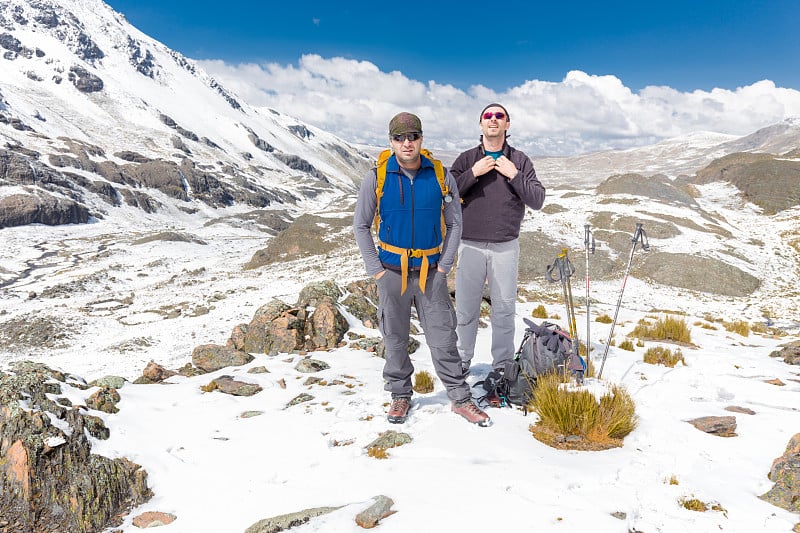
(379, 275)
(506, 167)
(482, 166)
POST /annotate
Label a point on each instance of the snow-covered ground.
(218, 471)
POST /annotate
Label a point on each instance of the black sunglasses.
(499, 115)
(413, 136)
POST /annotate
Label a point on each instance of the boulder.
(50, 479)
(212, 357)
(785, 473)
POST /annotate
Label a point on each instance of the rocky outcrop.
(790, 353)
(658, 187)
(771, 182)
(49, 479)
(83, 80)
(785, 473)
(307, 236)
(40, 208)
(704, 274)
(313, 323)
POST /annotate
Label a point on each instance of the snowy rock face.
(114, 119)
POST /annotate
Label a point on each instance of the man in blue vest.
(410, 266)
(497, 182)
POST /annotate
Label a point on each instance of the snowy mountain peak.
(76, 73)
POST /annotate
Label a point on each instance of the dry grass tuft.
(742, 327)
(658, 355)
(565, 412)
(627, 345)
(604, 319)
(693, 504)
(539, 312)
(668, 329)
(423, 382)
(377, 452)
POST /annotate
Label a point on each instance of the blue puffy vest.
(410, 213)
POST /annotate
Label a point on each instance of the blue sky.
(687, 45)
(581, 75)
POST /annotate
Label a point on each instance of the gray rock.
(211, 357)
(229, 385)
(720, 426)
(300, 398)
(283, 522)
(111, 382)
(789, 352)
(390, 439)
(311, 365)
(376, 512)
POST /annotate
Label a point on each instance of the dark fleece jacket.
(494, 206)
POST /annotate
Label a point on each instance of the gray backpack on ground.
(544, 349)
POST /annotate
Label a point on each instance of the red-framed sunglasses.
(499, 115)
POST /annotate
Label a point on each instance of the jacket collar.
(393, 166)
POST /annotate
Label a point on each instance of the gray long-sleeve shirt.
(365, 214)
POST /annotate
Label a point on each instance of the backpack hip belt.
(404, 254)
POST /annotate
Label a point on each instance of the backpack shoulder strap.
(380, 179)
(439, 168)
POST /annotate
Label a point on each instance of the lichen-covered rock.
(785, 472)
(50, 481)
(326, 326)
(105, 400)
(283, 522)
(212, 357)
(229, 385)
(309, 365)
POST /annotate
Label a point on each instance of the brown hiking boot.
(472, 413)
(398, 411)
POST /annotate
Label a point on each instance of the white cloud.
(583, 112)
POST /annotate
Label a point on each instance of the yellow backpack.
(405, 253)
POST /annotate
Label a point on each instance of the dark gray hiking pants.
(438, 320)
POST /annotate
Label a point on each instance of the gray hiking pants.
(437, 317)
(478, 263)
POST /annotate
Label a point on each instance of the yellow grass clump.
(539, 312)
(658, 355)
(627, 345)
(423, 382)
(742, 327)
(601, 423)
(668, 328)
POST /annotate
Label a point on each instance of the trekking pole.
(638, 235)
(565, 270)
(586, 234)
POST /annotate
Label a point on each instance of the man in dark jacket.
(496, 182)
(410, 266)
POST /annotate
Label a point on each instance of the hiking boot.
(472, 413)
(398, 411)
(493, 399)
